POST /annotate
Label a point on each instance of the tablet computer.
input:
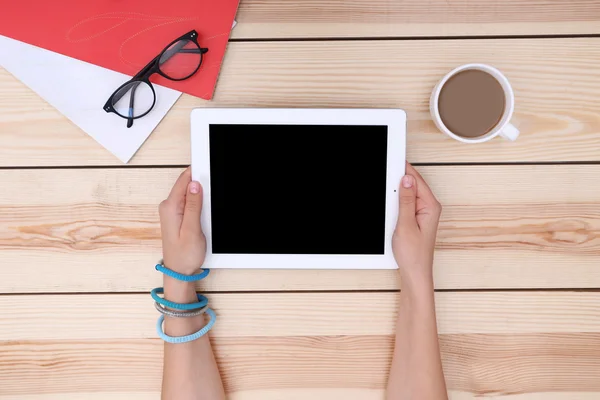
(299, 188)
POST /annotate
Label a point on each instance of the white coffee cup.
(503, 128)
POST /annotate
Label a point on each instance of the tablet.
(299, 188)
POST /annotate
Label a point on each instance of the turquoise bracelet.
(188, 338)
(202, 301)
(182, 277)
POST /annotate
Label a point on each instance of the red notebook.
(124, 35)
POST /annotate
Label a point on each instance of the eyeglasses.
(177, 62)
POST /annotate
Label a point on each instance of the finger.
(178, 192)
(193, 209)
(171, 210)
(424, 192)
(170, 221)
(408, 202)
(428, 208)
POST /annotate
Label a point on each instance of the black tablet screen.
(298, 189)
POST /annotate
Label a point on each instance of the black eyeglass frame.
(153, 67)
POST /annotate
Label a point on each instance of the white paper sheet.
(79, 90)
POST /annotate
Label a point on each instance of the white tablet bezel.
(395, 119)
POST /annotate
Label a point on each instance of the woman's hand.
(414, 238)
(184, 244)
(416, 371)
(190, 370)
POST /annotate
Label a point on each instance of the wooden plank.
(384, 18)
(95, 316)
(301, 394)
(97, 230)
(255, 367)
(274, 345)
(557, 99)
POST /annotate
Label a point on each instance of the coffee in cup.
(473, 104)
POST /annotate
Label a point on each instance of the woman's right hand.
(414, 239)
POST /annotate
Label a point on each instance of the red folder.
(124, 35)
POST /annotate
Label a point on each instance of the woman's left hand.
(184, 243)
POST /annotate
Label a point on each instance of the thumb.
(408, 202)
(193, 209)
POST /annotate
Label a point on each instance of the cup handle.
(510, 132)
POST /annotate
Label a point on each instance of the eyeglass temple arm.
(131, 101)
(178, 48)
(201, 51)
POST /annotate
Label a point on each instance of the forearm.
(190, 370)
(416, 371)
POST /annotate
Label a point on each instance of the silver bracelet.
(179, 314)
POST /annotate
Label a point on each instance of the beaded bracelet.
(202, 301)
(181, 277)
(188, 338)
(179, 314)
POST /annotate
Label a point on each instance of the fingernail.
(194, 187)
(407, 181)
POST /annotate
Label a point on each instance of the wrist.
(418, 296)
(417, 281)
(182, 269)
(183, 262)
(183, 293)
(179, 291)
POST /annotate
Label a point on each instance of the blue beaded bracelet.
(202, 301)
(182, 277)
(188, 338)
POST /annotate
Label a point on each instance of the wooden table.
(518, 258)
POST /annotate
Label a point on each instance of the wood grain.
(301, 394)
(97, 230)
(473, 364)
(104, 317)
(511, 343)
(381, 18)
(556, 83)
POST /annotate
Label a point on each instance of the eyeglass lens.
(181, 59)
(134, 99)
